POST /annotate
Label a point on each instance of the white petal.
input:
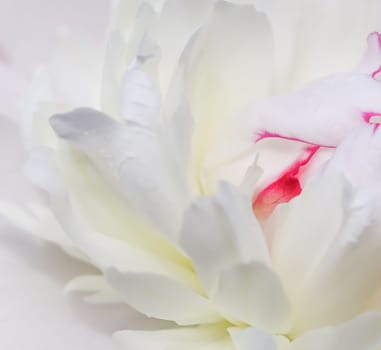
(322, 113)
(200, 338)
(328, 242)
(371, 61)
(34, 215)
(136, 159)
(305, 228)
(12, 88)
(140, 98)
(253, 338)
(311, 38)
(251, 293)
(102, 293)
(35, 127)
(41, 170)
(362, 332)
(133, 21)
(164, 298)
(358, 157)
(177, 22)
(126, 250)
(85, 283)
(231, 66)
(253, 173)
(75, 69)
(106, 252)
(220, 231)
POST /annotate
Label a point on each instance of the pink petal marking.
(264, 134)
(376, 72)
(369, 117)
(283, 189)
(378, 37)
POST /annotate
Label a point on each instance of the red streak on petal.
(285, 188)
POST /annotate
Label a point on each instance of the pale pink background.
(34, 312)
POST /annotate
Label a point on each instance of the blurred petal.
(97, 285)
(75, 69)
(363, 332)
(317, 38)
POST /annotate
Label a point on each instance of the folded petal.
(358, 157)
(136, 159)
(101, 226)
(101, 291)
(132, 23)
(164, 298)
(221, 231)
(253, 294)
(321, 114)
(190, 338)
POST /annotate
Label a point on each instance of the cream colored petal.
(200, 338)
(101, 291)
(327, 249)
(253, 338)
(220, 231)
(177, 22)
(231, 66)
(362, 332)
(305, 228)
(100, 225)
(124, 44)
(252, 294)
(312, 37)
(126, 155)
(164, 298)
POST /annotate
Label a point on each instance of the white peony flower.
(156, 179)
